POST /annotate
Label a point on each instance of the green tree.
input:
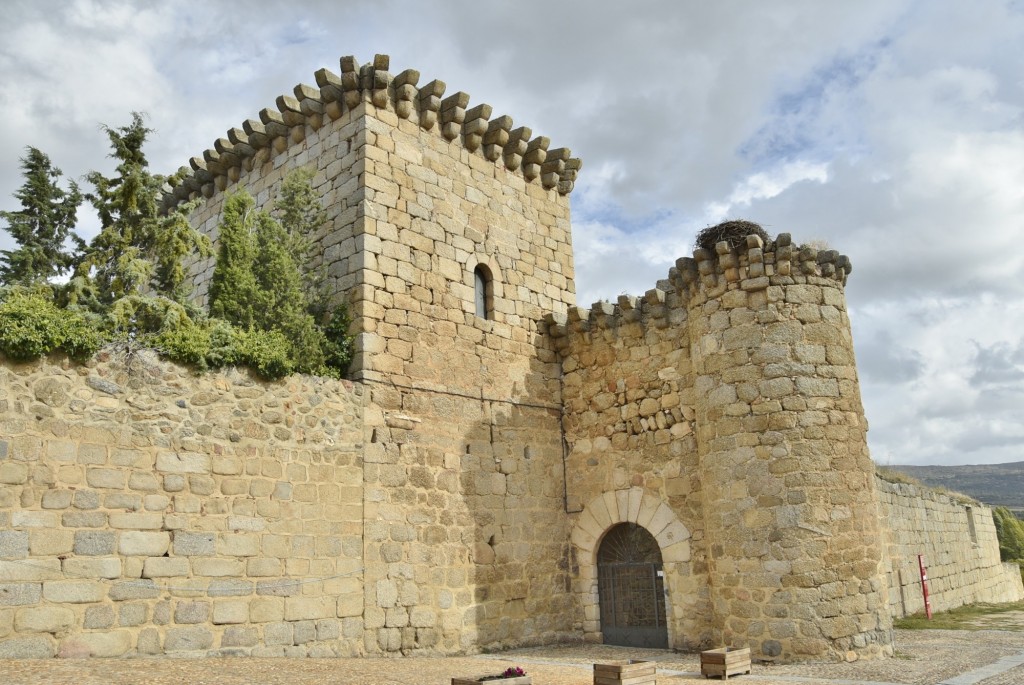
(42, 227)
(257, 285)
(137, 250)
(301, 215)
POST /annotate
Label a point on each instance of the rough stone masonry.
(463, 490)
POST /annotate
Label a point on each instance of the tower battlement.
(754, 267)
(310, 107)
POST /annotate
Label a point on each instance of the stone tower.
(791, 512)
(721, 414)
(448, 235)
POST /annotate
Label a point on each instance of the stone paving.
(946, 657)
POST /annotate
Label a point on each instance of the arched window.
(483, 288)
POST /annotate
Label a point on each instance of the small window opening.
(483, 287)
(971, 526)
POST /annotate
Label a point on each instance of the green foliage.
(136, 249)
(1010, 532)
(211, 343)
(31, 326)
(268, 352)
(133, 315)
(129, 283)
(259, 284)
(42, 227)
(338, 347)
(301, 215)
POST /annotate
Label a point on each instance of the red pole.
(924, 586)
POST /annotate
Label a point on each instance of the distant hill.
(995, 484)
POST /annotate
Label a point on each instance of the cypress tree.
(42, 227)
(136, 249)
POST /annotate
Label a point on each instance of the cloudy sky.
(892, 129)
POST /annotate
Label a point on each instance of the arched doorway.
(631, 588)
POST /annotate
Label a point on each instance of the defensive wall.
(147, 510)
(457, 493)
(958, 541)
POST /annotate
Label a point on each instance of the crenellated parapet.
(752, 267)
(309, 108)
(757, 265)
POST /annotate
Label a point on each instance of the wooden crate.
(629, 672)
(725, 662)
(517, 680)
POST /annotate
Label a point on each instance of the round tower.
(791, 510)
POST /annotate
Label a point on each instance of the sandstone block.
(230, 611)
(136, 520)
(182, 462)
(137, 543)
(187, 639)
(165, 567)
(277, 634)
(299, 608)
(266, 609)
(35, 569)
(107, 644)
(56, 499)
(238, 545)
(74, 591)
(34, 519)
(261, 566)
(12, 473)
(49, 619)
(218, 568)
(108, 567)
(114, 479)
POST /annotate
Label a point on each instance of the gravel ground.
(923, 658)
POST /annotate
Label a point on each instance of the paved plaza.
(937, 657)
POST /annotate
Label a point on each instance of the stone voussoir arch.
(598, 517)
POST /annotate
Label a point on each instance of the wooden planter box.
(725, 662)
(517, 680)
(631, 672)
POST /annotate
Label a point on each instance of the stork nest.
(733, 232)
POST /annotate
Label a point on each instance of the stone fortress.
(687, 469)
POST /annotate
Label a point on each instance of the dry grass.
(970, 617)
(891, 475)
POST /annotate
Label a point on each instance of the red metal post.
(924, 586)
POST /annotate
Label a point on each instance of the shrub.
(31, 326)
(267, 352)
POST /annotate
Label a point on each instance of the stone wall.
(629, 421)
(958, 542)
(144, 510)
